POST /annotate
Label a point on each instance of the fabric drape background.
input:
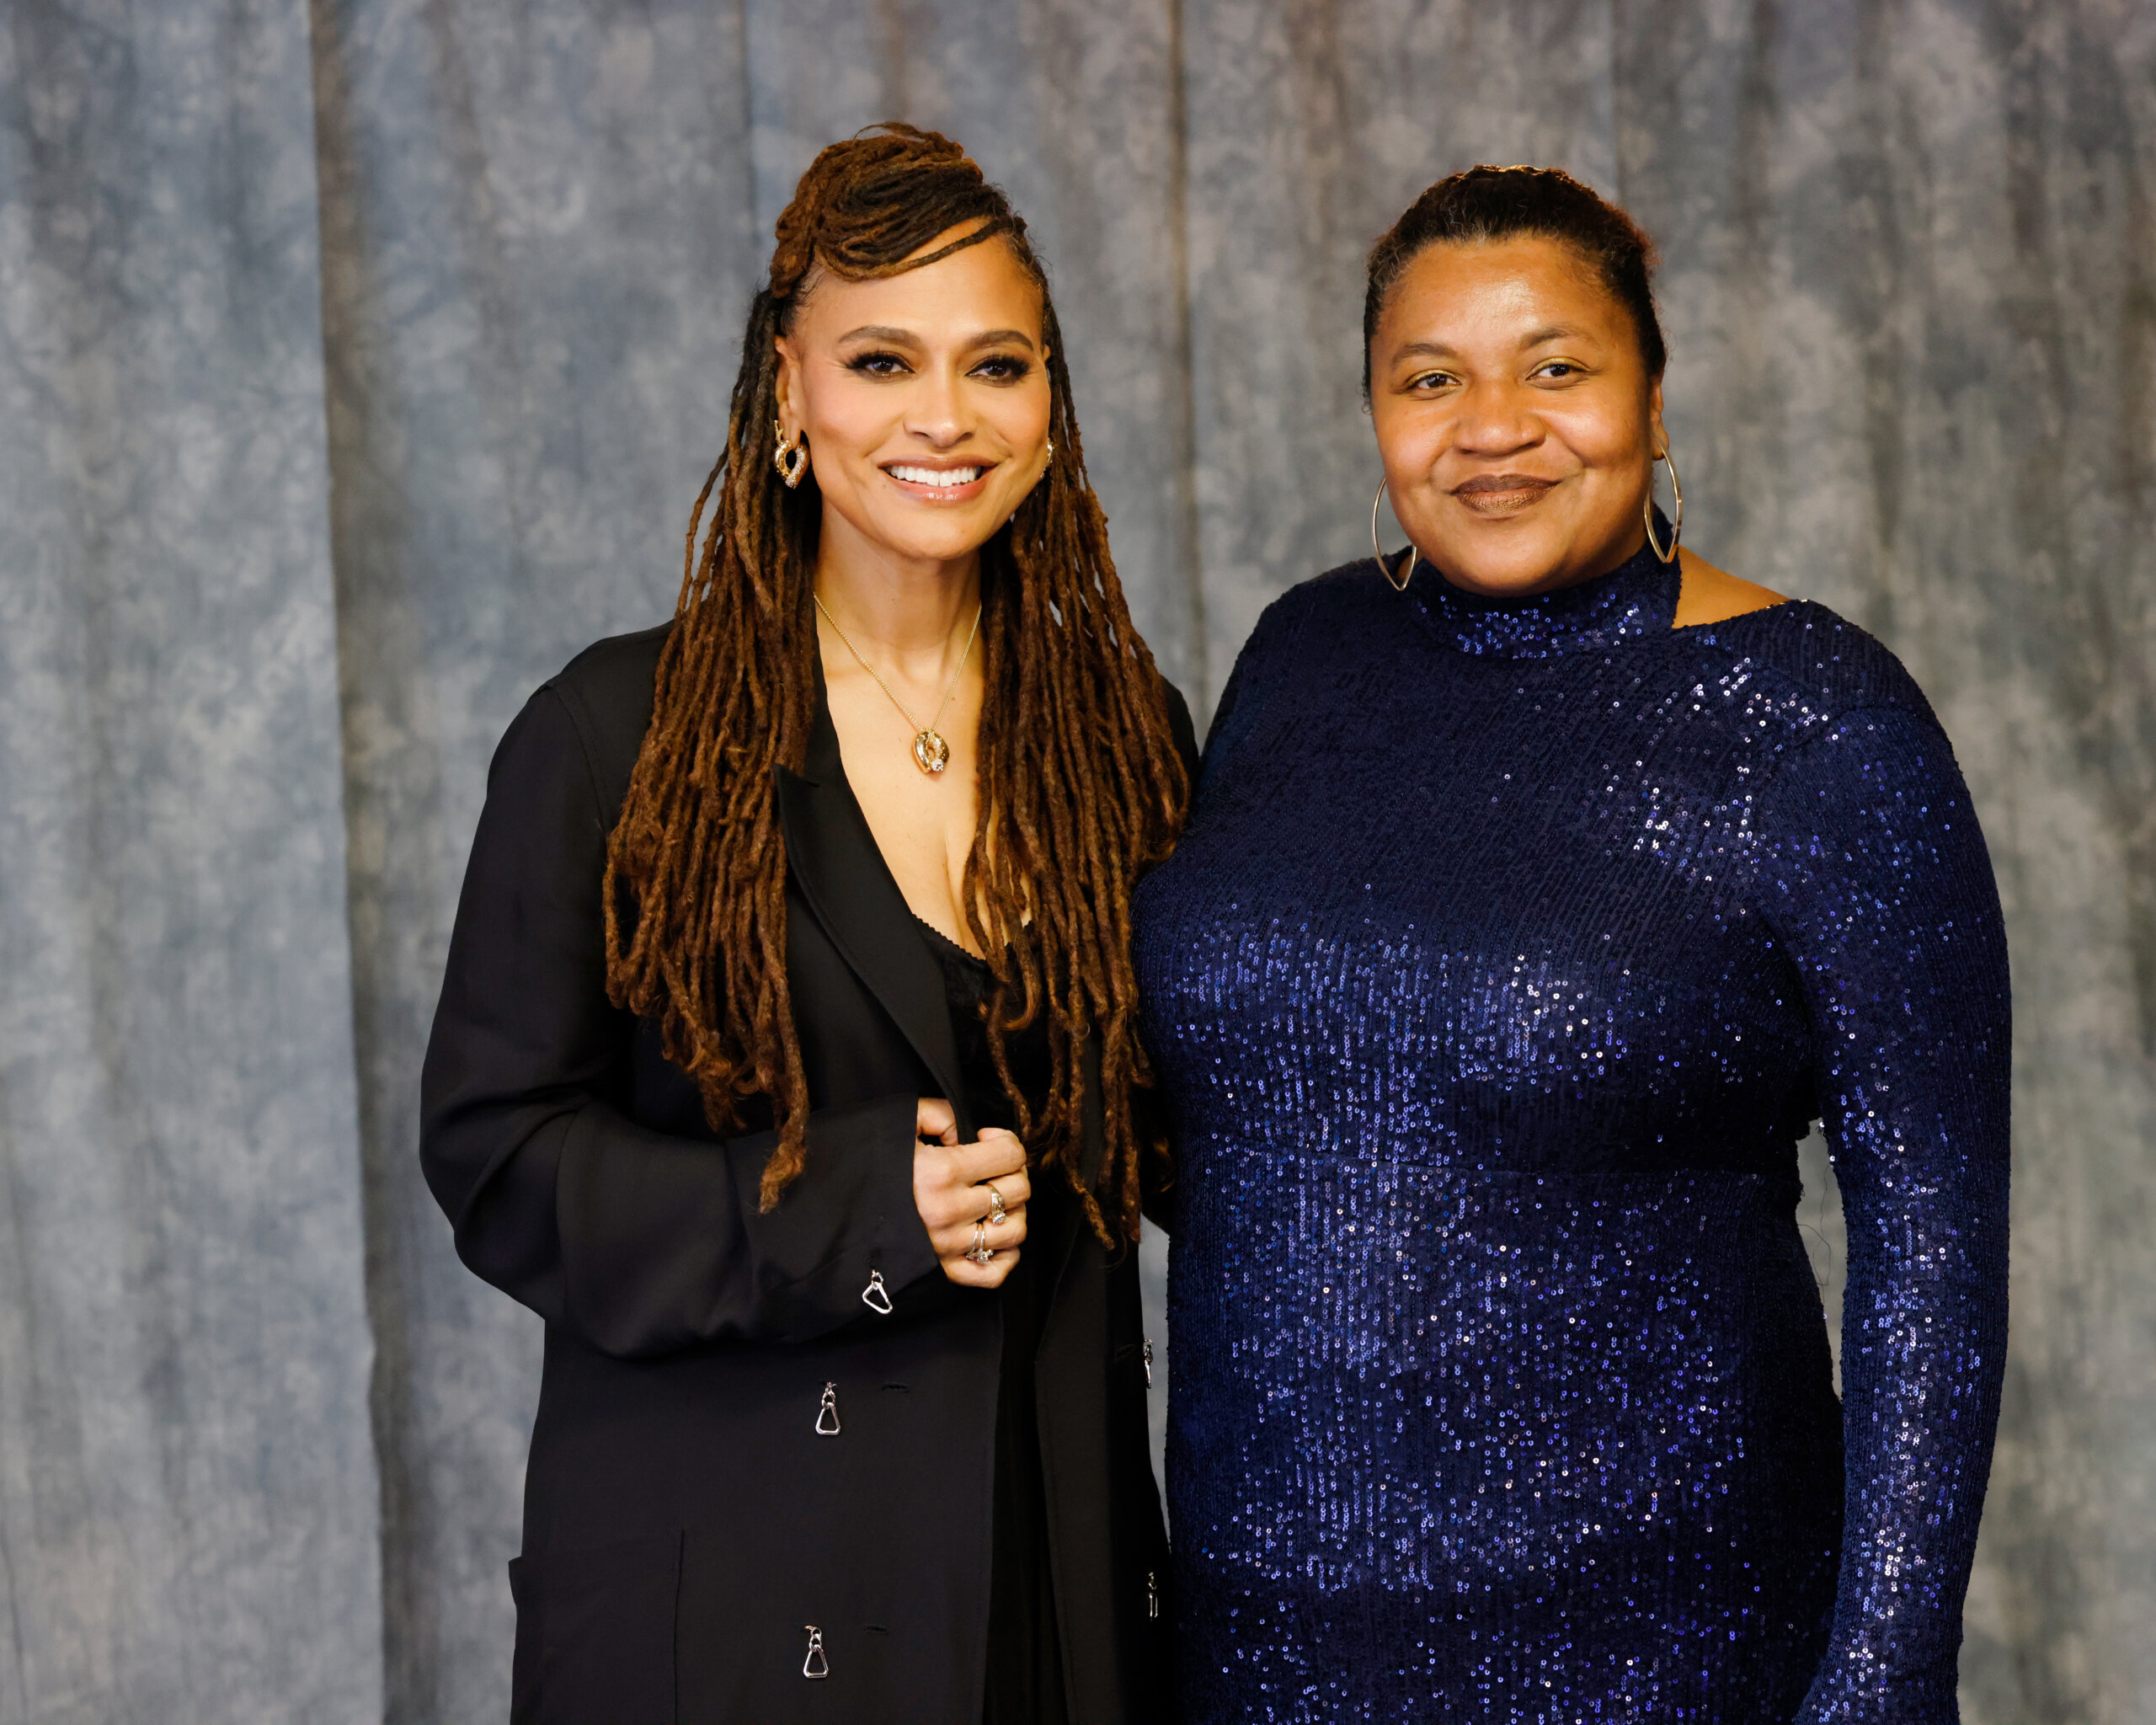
(358, 363)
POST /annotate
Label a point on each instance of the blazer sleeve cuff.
(847, 1238)
(663, 1244)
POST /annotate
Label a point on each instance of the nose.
(1495, 418)
(938, 414)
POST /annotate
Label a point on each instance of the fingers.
(946, 1181)
(935, 1120)
(1015, 1189)
(956, 1236)
(951, 1193)
(952, 1245)
(946, 1204)
(969, 1274)
(997, 1154)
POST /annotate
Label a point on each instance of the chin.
(928, 531)
(1513, 570)
(947, 543)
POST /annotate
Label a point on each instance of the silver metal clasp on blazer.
(876, 1296)
(827, 1414)
(815, 1665)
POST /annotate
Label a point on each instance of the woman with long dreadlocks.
(787, 1062)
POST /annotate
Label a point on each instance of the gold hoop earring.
(1377, 551)
(791, 457)
(1677, 491)
(1051, 449)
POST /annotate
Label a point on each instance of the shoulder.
(1341, 602)
(608, 690)
(1707, 594)
(1860, 774)
(611, 680)
(597, 706)
(1819, 664)
(1299, 627)
(1352, 593)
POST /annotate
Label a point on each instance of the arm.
(1880, 887)
(1157, 1174)
(637, 1241)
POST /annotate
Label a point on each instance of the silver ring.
(982, 1252)
(997, 1215)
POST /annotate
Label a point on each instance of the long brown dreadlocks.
(1080, 786)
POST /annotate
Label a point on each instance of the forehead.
(983, 286)
(1497, 287)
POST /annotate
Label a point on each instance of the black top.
(1025, 1660)
(685, 1520)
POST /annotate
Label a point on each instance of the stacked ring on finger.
(997, 1215)
(981, 1252)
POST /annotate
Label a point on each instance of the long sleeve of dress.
(637, 1241)
(1152, 1117)
(1878, 886)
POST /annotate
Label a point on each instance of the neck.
(1591, 565)
(913, 612)
(1638, 597)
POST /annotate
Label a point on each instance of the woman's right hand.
(950, 1189)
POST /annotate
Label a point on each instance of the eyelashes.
(876, 365)
(997, 368)
(1554, 370)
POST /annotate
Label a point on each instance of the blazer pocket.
(594, 1634)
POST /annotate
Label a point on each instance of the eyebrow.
(1534, 338)
(906, 338)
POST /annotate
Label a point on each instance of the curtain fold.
(359, 361)
(188, 1505)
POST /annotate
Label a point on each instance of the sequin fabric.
(1508, 952)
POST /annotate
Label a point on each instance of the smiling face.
(1515, 417)
(925, 399)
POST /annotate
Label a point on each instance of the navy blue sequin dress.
(1510, 950)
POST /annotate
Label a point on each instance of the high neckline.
(1638, 597)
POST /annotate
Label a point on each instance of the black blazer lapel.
(834, 860)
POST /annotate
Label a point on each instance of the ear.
(788, 385)
(1658, 439)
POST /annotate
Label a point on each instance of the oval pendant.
(931, 753)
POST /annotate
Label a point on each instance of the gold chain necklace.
(931, 754)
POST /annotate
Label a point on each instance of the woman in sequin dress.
(1543, 883)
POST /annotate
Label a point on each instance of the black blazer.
(685, 1523)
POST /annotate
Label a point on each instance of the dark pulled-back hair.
(1482, 204)
(1080, 784)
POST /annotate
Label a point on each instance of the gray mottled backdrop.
(358, 361)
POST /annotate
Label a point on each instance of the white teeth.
(935, 476)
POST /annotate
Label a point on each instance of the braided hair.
(1080, 785)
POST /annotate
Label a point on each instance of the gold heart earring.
(791, 458)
